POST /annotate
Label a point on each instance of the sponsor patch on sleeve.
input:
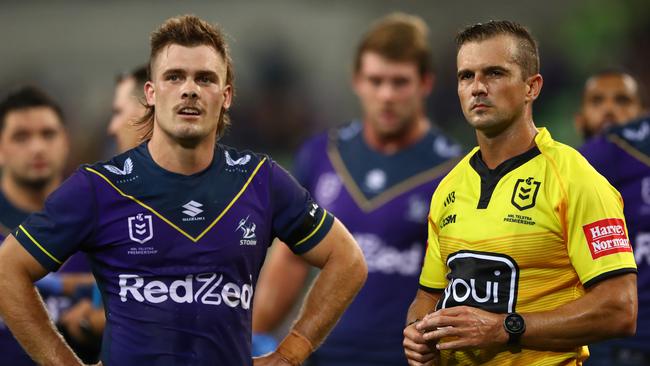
(606, 236)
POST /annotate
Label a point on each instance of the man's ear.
(150, 93)
(534, 87)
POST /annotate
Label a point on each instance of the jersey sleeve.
(297, 220)
(434, 270)
(65, 224)
(598, 243)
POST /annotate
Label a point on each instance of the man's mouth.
(479, 106)
(189, 111)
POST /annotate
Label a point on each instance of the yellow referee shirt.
(528, 236)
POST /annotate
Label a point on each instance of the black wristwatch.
(515, 326)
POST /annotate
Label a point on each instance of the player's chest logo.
(525, 192)
(376, 180)
(192, 210)
(247, 228)
(140, 228)
(327, 188)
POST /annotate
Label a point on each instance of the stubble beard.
(35, 184)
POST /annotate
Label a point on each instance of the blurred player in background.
(177, 230)
(622, 154)
(610, 98)
(85, 321)
(33, 150)
(377, 175)
(128, 107)
(528, 259)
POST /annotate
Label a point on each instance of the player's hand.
(464, 327)
(272, 359)
(418, 351)
(73, 317)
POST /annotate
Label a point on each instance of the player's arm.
(282, 278)
(343, 272)
(416, 348)
(23, 310)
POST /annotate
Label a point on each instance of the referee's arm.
(607, 310)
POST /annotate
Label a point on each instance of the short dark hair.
(189, 31)
(527, 56)
(140, 75)
(25, 97)
(398, 37)
(641, 92)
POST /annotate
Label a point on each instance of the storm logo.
(483, 280)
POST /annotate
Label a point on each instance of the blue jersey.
(176, 257)
(622, 155)
(384, 201)
(10, 218)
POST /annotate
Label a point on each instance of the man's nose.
(478, 87)
(190, 94)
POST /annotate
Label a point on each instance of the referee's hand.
(463, 327)
(418, 351)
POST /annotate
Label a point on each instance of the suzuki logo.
(192, 208)
(127, 169)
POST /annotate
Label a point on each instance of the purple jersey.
(622, 155)
(10, 218)
(384, 201)
(176, 257)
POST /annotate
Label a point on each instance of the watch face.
(514, 323)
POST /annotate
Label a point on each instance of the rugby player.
(128, 107)
(33, 150)
(528, 257)
(177, 230)
(610, 98)
(622, 155)
(377, 175)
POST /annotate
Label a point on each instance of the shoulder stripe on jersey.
(39, 245)
(625, 146)
(368, 205)
(322, 220)
(160, 216)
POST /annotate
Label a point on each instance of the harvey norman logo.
(192, 209)
(606, 237)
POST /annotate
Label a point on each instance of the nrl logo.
(525, 193)
(241, 161)
(140, 228)
(126, 170)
